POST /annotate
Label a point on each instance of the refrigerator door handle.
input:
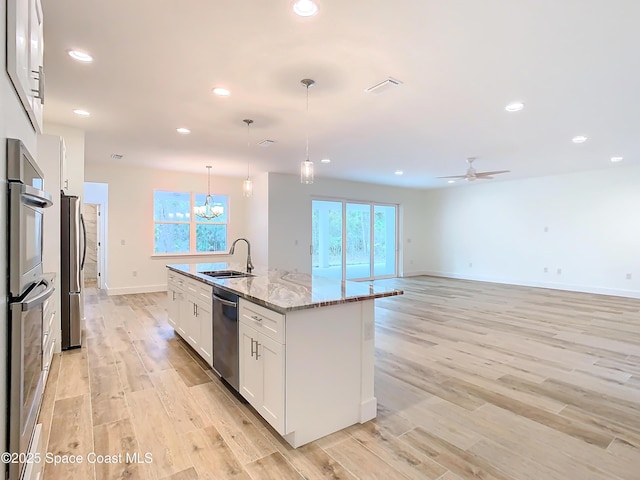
(84, 242)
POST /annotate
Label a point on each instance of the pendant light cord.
(307, 122)
(248, 148)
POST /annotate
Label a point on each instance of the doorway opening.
(96, 206)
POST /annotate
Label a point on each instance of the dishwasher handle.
(225, 302)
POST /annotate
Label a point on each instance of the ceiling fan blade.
(484, 177)
(454, 176)
(495, 172)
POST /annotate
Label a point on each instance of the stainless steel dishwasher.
(225, 335)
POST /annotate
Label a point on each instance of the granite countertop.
(285, 291)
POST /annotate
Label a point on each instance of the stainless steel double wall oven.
(28, 290)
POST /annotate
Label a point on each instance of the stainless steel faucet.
(233, 248)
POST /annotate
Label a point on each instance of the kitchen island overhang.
(310, 372)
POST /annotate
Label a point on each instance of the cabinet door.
(36, 63)
(271, 354)
(185, 316)
(205, 342)
(251, 377)
(18, 49)
(173, 307)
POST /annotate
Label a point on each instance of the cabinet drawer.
(175, 281)
(265, 321)
(198, 289)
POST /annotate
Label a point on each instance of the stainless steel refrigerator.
(73, 243)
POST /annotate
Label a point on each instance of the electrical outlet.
(122, 242)
(546, 269)
(546, 229)
(134, 273)
(559, 271)
(629, 276)
(470, 264)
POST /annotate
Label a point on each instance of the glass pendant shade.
(208, 210)
(247, 185)
(306, 167)
(247, 188)
(306, 172)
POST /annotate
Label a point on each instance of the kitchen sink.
(226, 274)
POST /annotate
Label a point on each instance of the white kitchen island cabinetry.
(310, 372)
(305, 345)
(189, 312)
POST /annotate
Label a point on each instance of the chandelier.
(209, 210)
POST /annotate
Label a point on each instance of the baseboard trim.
(616, 292)
(134, 290)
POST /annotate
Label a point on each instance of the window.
(177, 230)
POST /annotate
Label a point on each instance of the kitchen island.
(306, 343)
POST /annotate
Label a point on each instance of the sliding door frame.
(372, 205)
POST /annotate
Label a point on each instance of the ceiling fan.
(472, 175)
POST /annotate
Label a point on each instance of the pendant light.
(247, 185)
(306, 167)
(209, 210)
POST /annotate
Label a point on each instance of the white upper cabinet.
(25, 53)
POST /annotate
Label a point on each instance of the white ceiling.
(574, 63)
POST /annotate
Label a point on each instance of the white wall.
(131, 222)
(14, 123)
(496, 231)
(257, 220)
(290, 218)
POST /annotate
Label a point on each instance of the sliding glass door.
(354, 240)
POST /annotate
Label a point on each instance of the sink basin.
(226, 274)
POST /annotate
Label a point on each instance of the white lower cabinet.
(262, 362)
(190, 313)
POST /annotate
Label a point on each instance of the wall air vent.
(383, 86)
(116, 156)
(266, 143)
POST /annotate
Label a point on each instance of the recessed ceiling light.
(81, 113)
(325, 160)
(514, 107)
(617, 159)
(398, 172)
(305, 8)
(451, 181)
(221, 92)
(183, 131)
(579, 139)
(80, 56)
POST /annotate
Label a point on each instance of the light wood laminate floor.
(473, 380)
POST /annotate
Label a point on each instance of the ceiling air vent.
(116, 156)
(266, 143)
(383, 86)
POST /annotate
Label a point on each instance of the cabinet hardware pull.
(257, 354)
(174, 294)
(252, 347)
(39, 76)
(256, 318)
